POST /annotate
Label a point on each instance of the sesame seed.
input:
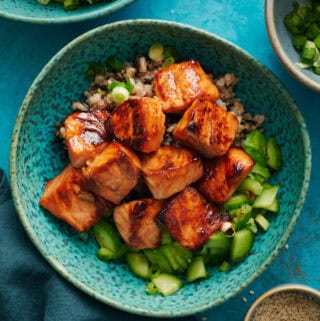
(287, 306)
(204, 318)
(287, 246)
(244, 299)
(251, 292)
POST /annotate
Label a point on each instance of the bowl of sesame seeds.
(292, 302)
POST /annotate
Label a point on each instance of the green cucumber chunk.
(250, 184)
(166, 284)
(241, 244)
(108, 237)
(216, 248)
(274, 207)
(266, 198)
(236, 201)
(261, 171)
(158, 260)
(274, 154)
(257, 141)
(196, 270)
(262, 222)
(256, 154)
(139, 265)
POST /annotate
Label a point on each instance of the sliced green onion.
(156, 52)
(169, 61)
(299, 41)
(45, 2)
(119, 94)
(116, 64)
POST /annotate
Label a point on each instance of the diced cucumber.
(256, 140)
(167, 251)
(241, 244)
(261, 170)
(250, 184)
(196, 270)
(262, 222)
(158, 260)
(274, 207)
(243, 219)
(104, 254)
(183, 256)
(167, 284)
(224, 266)
(139, 265)
(266, 198)
(107, 236)
(216, 249)
(256, 155)
(251, 225)
(274, 154)
(236, 201)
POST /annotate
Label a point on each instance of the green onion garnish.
(119, 94)
(156, 52)
(115, 64)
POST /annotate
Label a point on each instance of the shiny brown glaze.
(178, 85)
(139, 124)
(85, 135)
(67, 198)
(223, 175)
(207, 128)
(190, 219)
(113, 173)
(170, 169)
(137, 225)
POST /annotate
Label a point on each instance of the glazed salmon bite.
(207, 128)
(178, 85)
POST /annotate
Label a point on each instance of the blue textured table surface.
(25, 49)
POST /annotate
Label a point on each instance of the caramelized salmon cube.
(85, 135)
(113, 173)
(66, 197)
(178, 85)
(223, 175)
(207, 128)
(170, 169)
(139, 123)
(136, 222)
(190, 219)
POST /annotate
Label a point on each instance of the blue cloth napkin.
(30, 289)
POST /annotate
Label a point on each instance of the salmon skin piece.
(223, 175)
(66, 197)
(85, 135)
(190, 219)
(207, 128)
(113, 173)
(178, 85)
(170, 169)
(136, 222)
(139, 123)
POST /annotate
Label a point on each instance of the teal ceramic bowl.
(281, 41)
(36, 157)
(33, 12)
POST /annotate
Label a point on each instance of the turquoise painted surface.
(26, 48)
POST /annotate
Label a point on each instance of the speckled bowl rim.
(281, 53)
(290, 287)
(98, 13)
(25, 222)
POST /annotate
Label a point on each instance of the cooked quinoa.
(290, 306)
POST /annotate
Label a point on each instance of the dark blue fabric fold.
(30, 289)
